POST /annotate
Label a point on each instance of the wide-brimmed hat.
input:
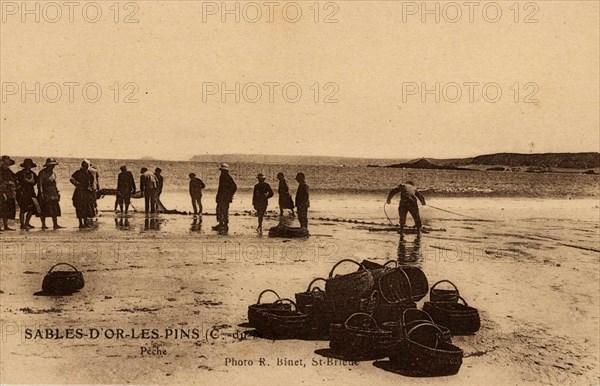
(260, 176)
(28, 162)
(9, 161)
(224, 166)
(50, 162)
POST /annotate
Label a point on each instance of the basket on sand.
(254, 308)
(359, 337)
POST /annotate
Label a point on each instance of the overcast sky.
(371, 64)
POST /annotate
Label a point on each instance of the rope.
(388, 217)
(457, 214)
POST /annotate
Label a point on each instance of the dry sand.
(532, 270)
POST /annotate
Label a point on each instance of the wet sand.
(529, 265)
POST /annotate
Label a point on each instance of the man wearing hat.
(125, 187)
(26, 180)
(302, 200)
(260, 199)
(8, 207)
(409, 197)
(225, 192)
(48, 194)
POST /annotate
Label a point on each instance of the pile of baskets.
(372, 313)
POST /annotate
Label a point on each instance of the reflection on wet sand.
(409, 251)
(122, 223)
(152, 223)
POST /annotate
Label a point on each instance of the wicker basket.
(344, 308)
(444, 295)
(359, 284)
(359, 338)
(418, 282)
(395, 286)
(311, 296)
(425, 353)
(62, 282)
(391, 312)
(461, 319)
(253, 309)
(282, 323)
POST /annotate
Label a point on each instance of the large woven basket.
(359, 337)
(282, 323)
(311, 296)
(391, 312)
(394, 286)
(413, 317)
(461, 319)
(254, 308)
(425, 353)
(344, 308)
(62, 282)
(418, 281)
(359, 284)
(444, 295)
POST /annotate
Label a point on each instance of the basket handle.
(279, 301)
(317, 289)
(390, 261)
(463, 299)
(56, 265)
(444, 281)
(343, 261)
(439, 334)
(361, 314)
(264, 292)
(409, 288)
(313, 282)
(420, 312)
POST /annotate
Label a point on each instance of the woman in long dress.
(8, 207)
(48, 194)
(26, 181)
(285, 199)
(83, 196)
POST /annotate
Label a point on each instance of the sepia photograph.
(305, 192)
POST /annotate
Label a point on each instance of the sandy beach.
(178, 294)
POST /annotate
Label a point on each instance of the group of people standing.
(261, 194)
(151, 186)
(20, 188)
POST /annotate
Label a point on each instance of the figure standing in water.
(285, 199)
(48, 194)
(260, 199)
(409, 203)
(225, 192)
(125, 188)
(84, 195)
(196, 186)
(26, 181)
(302, 200)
